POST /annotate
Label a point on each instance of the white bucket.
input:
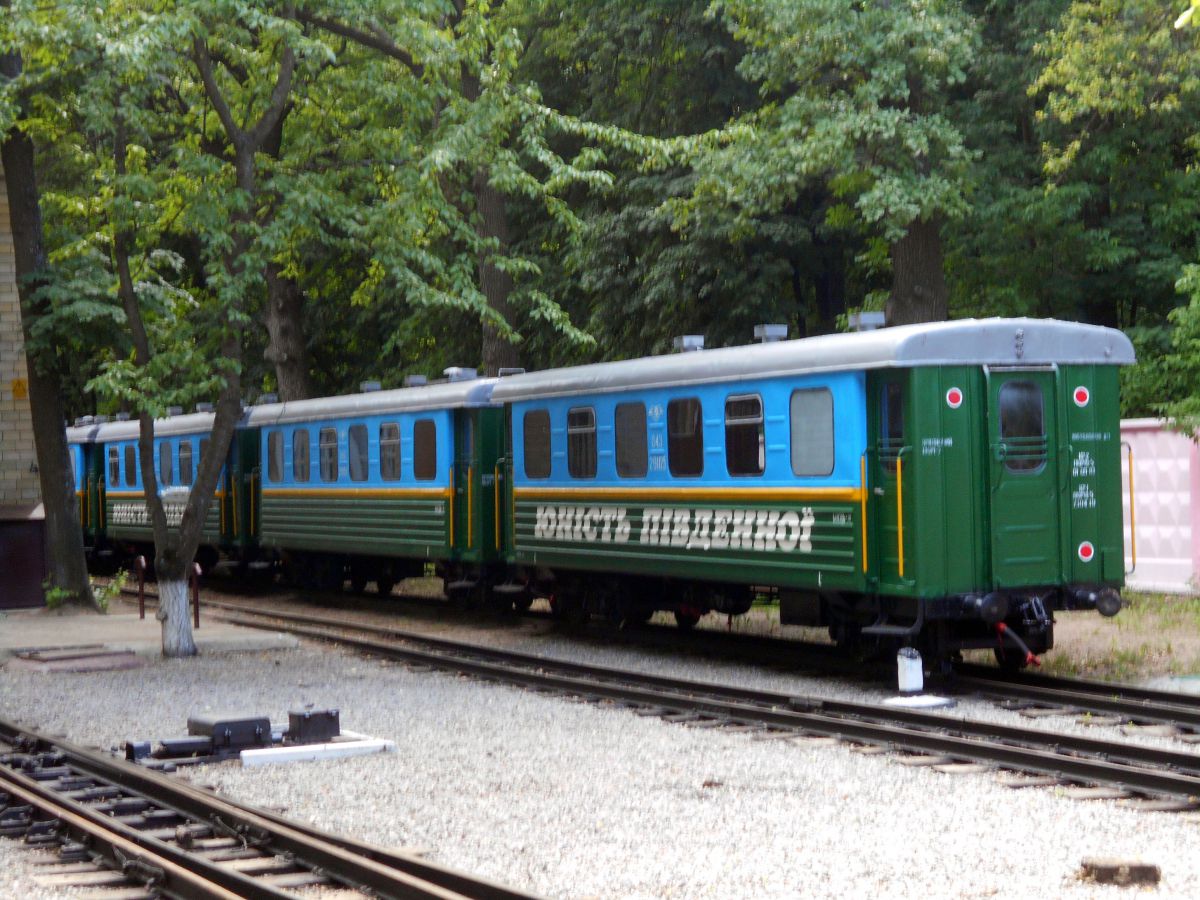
(909, 673)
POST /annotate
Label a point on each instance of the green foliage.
(56, 596)
(667, 167)
(105, 593)
(852, 98)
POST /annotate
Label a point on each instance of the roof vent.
(415, 381)
(460, 373)
(867, 320)
(264, 399)
(122, 417)
(369, 387)
(769, 334)
(80, 421)
(204, 407)
(174, 410)
(510, 370)
(686, 343)
(100, 420)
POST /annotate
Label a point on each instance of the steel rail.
(126, 851)
(1140, 769)
(380, 872)
(1137, 704)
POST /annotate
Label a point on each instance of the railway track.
(1035, 695)
(128, 833)
(1160, 779)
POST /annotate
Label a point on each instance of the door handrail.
(900, 511)
(862, 470)
(496, 501)
(1132, 510)
(452, 503)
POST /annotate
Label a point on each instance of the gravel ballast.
(577, 800)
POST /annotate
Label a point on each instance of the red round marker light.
(1082, 396)
(954, 398)
(1086, 551)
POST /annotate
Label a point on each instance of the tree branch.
(208, 76)
(279, 96)
(375, 39)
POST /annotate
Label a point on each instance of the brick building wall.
(22, 540)
(18, 461)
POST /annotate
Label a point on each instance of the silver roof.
(451, 395)
(996, 342)
(193, 423)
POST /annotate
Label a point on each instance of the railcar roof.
(192, 423)
(447, 395)
(996, 342)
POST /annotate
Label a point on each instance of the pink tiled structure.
(1166, 481)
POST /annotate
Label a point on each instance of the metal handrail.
(496, 501)
(862, 467)
(1132, 510)
(452, 501)
(900, 511)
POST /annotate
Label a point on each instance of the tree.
(638, 274)
(853, 97)
(1121, 103)
(68, 569)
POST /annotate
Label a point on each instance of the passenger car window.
(581, 442)
(114, 467)
(1022, 426)
(275, 456)
(630, 428)
(359, 460)
(424, 450)
(745, 440)
(685, 437)
(186, 473)
(812, 432)
(389, 451)
(166, 467)
(301, 456)
(328, 448)
(536, 427)
(131, 464)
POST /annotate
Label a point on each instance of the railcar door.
(1023, 469)
(889, 480)
(463, 537)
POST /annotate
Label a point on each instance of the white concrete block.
(309, 752)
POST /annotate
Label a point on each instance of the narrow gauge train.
(945, 485)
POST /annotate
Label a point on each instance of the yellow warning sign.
(20, 389)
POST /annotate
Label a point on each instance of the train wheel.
(686, 621)
(384, 584)
(358, 582)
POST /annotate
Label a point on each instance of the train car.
(118, 493)
(946, 485)
(88, 479)
(370, 487)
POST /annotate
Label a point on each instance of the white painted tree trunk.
(176, 619)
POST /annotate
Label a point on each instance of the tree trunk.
(287, 348)
(68, 567)
(919, 291)
(498, 351)
(176, 618)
